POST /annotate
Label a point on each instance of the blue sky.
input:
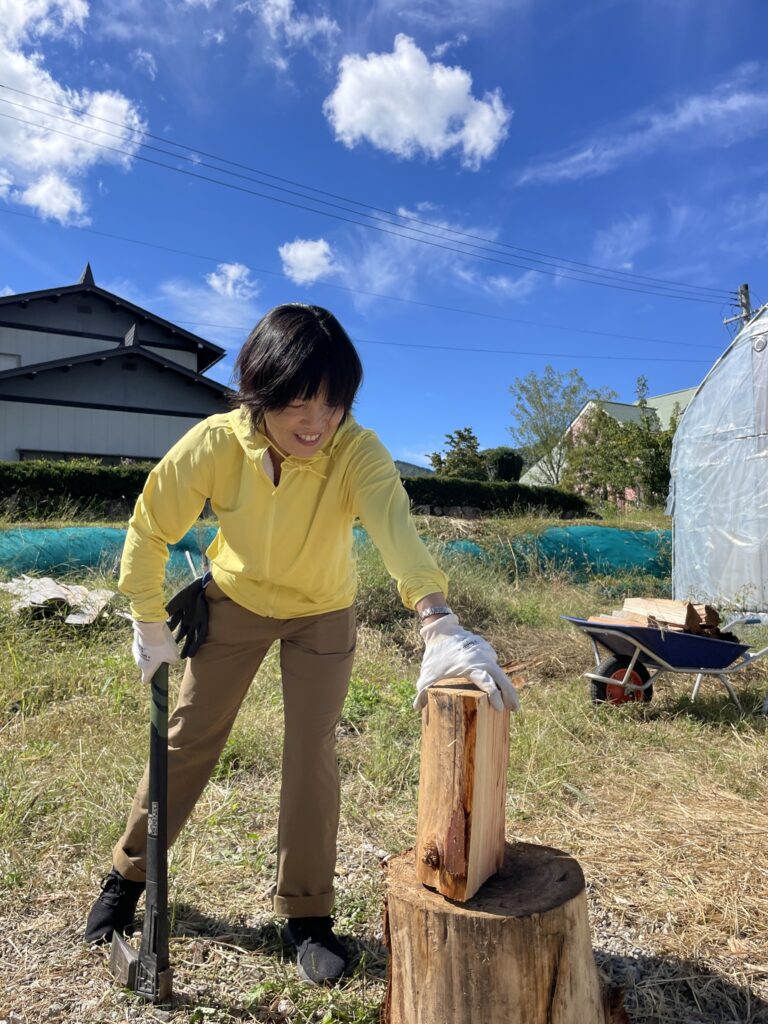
(626, 135)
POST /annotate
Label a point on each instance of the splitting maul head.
(140, 971)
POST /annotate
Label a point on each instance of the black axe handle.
(153, 976)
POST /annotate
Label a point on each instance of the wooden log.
(668, 613)
(462, 789)
(708, 616)
(621, 619)
(519, 952)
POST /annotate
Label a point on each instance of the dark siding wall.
(124, 382)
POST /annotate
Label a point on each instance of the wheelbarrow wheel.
(614, 693)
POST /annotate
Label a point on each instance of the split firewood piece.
(668, 613)
(621, 619)
(462, 789)
(708, 616)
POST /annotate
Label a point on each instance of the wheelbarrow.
(638, 655)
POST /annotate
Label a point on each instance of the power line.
(354, 291)
(519, 352)
(530, 253)
(349, 220)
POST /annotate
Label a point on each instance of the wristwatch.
(441, 609)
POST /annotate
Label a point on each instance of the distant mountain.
(409, 469)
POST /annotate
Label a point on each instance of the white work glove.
(452, 651)
(153, 645)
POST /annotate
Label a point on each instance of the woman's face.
(303, 426)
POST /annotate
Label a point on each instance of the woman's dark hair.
(292, 353)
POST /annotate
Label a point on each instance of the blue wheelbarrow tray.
(680, 652)
(660, 650)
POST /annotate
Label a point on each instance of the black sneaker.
(320, 957)
(113, 911)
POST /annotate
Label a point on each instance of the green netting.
(91, 547)
(579, 549)
(602, 550)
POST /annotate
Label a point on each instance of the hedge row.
(42, 482)
(489, 496)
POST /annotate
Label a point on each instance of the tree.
(461, 458)
(545, 407)
(606, 457)
(595, 461)
(502, 463)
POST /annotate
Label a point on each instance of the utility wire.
(450, 248)
(546, 258)
(599, 278)
(521, 352)
(355, 291)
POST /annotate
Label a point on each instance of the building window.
(9, 361)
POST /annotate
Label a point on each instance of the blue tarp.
(583, 550)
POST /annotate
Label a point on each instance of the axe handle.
(154, 937)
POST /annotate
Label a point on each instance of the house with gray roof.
(662, 407)
(84, 372)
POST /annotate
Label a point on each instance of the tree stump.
(462, 789)
(518, 952)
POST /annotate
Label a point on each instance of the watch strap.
(441, 609)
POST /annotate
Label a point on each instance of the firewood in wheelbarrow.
(683, 614)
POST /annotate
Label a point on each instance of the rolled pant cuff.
(126, 866)
(303, 906)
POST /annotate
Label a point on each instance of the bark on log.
(519, 952)
(462, 789)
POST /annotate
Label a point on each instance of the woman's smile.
(302, 427)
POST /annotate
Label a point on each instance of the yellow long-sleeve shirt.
(282, 551)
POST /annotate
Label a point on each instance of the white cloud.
(42, 169)
(209, 311)
(288, 29)
(23, 20)
(233, 281)
(306, 260)
(441, 15)
(207, 4)
(731, 112)
(146, 62)
(282, 22)
(397, 265)
(450, 44)
(55, 199)
(5, 290)
(515, 288)
(617, 245)
(403, 104)
(214, 36)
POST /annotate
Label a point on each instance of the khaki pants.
(316, 654)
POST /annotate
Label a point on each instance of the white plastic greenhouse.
(719, 486)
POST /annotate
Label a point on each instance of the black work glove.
(189, 611)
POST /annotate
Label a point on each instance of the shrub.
(40, 485)
(490, 496)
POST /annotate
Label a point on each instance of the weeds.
(663, 804)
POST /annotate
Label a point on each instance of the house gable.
(84, 312)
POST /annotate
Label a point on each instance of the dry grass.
(664, 805)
